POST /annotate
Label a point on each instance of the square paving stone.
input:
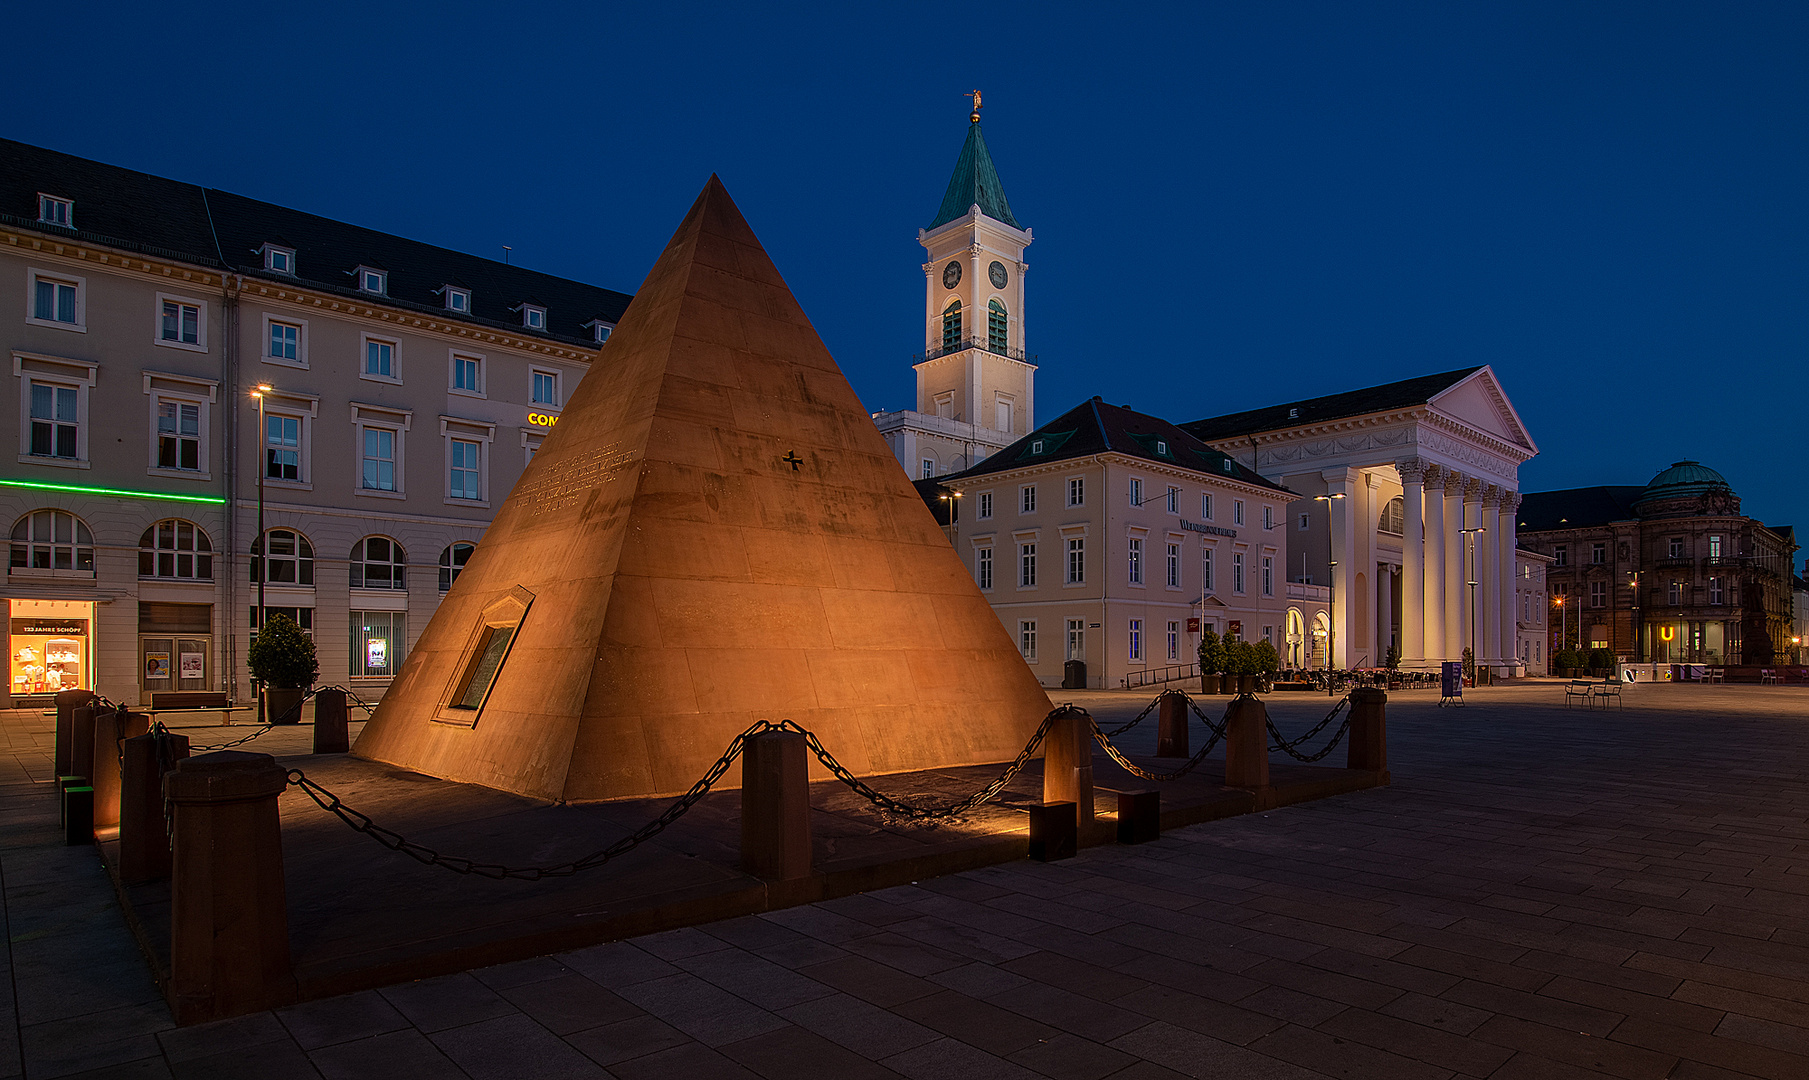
(569, 1003)
(977, 1023)
(1070, 1057)
(710, 1015)
(687, 1061)
(206, 1040)
(627, 1039)
(514, 1048)
(396, 1055)
(950, 1059)
(864, 1028)
(315, 1024)
(792, 1053)
(270, 1061)
(616, 964)
(449, 1001)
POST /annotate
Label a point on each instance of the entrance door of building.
(175, 647)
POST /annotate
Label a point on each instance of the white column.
(1510, 611)
(1413, 560)
(1454, 565)
(1472, 559)
(1384, 611)
(1342, 482)
(1488, 574)
(1433, 611)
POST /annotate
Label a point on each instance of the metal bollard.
(111, 728)
(330, 735)
(144, 839)
(775, 806)
(1068, 763)
(78, 816)
(1247, 744)
(67, 702)
(1368, 740)
(229, 920)
(1171, 726)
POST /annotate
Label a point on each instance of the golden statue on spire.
(975, 94)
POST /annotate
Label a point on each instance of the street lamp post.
(1470, 551)
(263, 553)
(1331, 604)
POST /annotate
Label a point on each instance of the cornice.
(1510, 453)
(109, 257)
(1113, 457)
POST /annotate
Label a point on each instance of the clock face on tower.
(997, 273)
(951, 275)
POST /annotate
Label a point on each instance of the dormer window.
(1161, 447)
(533, 317)
(1036, 446)
(54, 210)
(280, 260)
(600, 330)
(457, 299)
(372, 281)
(1293, 414)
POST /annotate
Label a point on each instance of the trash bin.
(1074, 675)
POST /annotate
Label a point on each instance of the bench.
(1579, 690)
(179, 701)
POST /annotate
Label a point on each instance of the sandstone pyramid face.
(714, 534)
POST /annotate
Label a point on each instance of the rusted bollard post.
(1171, 726)
(67, 702)
(144, 839)
(1247, 744)
(775, 806)
(1068, 763)
(330, 722)
(1368, 739)
(110, 729)
(229, 920)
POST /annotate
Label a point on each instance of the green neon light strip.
(114, 491)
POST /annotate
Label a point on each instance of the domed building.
(1670, 572)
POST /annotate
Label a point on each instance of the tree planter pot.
(1209, 684)
(283, 705)
(1246, 684)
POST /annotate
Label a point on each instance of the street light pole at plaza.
(1331, 595)
(1470, 546)
(263, 556)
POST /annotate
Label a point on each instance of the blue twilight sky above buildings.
(1234, 204)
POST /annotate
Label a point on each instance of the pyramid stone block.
(714, 534)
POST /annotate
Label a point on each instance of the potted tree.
(1267, 662)
(1566, 661)
(282, 661)
(1240, 675)
(1212, 661)
(1393, 663)
(1601, 661)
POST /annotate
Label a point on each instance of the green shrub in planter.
(1212, 653)
(283, 656)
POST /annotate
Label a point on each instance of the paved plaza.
(1542, 892)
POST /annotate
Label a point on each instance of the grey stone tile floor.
(1541, 893)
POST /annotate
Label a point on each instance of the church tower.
(976, 384)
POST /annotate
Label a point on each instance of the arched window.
(291, 558)
(1394, 517)
(951, 326)
(995, 326)
(378, 563)
(174, 548)
(453, 560)
(53, 540)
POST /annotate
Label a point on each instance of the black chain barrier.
(1287, 746)
(263, 729)
(1147, 709)
(1131, 767)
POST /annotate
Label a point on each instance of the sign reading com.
(542, 419)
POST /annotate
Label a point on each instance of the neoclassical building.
(1405, 507)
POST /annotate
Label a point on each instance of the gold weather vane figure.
(975, 94)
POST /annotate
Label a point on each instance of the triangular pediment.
(1479, 402)
(715, 534)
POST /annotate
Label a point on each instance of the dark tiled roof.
(1576, 508)
(1394, 395)
(1093, 427)
(136, 211)
(975, 182)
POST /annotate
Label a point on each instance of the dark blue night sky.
(1234, 204)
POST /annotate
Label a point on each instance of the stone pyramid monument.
(714, 534)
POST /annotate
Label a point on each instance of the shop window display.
(48, 646)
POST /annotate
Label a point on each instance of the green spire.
(975, 181)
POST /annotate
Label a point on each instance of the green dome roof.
(1683, 479)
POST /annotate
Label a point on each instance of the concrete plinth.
(775, 806)
(229, 932)
(1139, 816)
(1068, 763)
(78, 815)
(1247, 744)
(1171, 729)
(67, 702)
(1368, 740)
(330, 722)
(1054, 831)
(81, 740)
(144, 840)
(111, 729)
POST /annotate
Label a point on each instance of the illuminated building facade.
(410, 386)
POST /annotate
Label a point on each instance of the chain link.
(1127, 765)
(1287, 746)
(1147, 709)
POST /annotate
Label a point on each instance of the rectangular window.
(380, 359)
(1027, 499)
(1174, 500)
(1268, 517)
(1598, 553)
(282, 447)
(985, 505)
(1237, 511)
(1174, 566)
(458, 299)
(1268, 575)
(1002, 410)
(546, 388)
(1303, 523)
(379, 460)
(1026, 565)
(533, 318)
(53, 420)
(1077, 491)
(1598, 594)
(1237, 572)
(280, 260)
(929, 468)
(1561, 555)
(1136, 556)
(1077, 639)
(1174, 640)
(1714, 547)
(464, 482)
(180, 323)
(1674, 595)
(55, 211)
(285, 341)
(179, 435)
(372, 281)
(1136, 492)
(467, 374)
(1716, 595)
(379, 639)
(1206, 569)
(1206, 507)
(55, 300)
(983, 567)
(1136, 642)
(1077, 560)
(1027, 639)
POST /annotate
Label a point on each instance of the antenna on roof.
(506, 250)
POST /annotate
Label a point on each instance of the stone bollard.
(144, 839)
(1368, 739)
(330, 722)
(1247, 744)
(1054, 832)
(111, 728)
(81, 737)
(229, 919)
(775, 806)
(1068, 763)
(1171, 726)
(78, 815)
(67, 702)
(1139, 816)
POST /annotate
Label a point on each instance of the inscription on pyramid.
(714, 534)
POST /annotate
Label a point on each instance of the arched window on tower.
(951, 326)
(1394, 517)
(995, 327)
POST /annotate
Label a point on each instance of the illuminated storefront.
(50, 646)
